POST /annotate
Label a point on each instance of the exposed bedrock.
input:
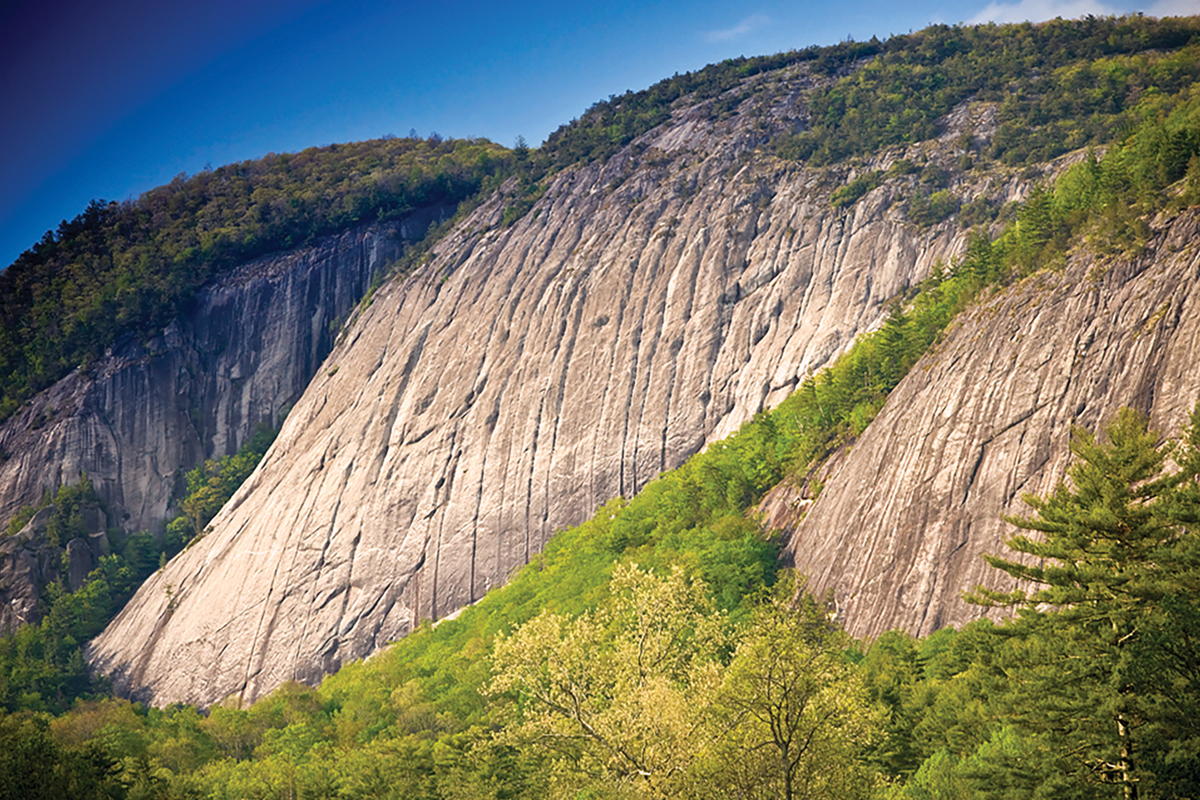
(899, 530)
(522, 377)
(140, 418)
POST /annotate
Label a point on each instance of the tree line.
(127, 268)
(648, 685)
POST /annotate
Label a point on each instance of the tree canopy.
(1114, 574)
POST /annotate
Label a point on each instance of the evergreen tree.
(1106, 681)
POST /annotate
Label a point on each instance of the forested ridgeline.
(1061, 85)
(129, 267)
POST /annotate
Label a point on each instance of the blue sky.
(107, 100)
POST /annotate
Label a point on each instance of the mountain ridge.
(719, 237)
(735, 292)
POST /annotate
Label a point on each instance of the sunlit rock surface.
(899, 530)
(519, 379)
(136, 421)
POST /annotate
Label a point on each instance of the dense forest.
(657, 650)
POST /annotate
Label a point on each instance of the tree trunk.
(1127, 778)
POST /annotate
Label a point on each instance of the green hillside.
(658, 651)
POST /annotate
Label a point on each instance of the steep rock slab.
(900, 528)
(136, 421)
(521, 378)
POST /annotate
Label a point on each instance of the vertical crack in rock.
(446, 483)
(563, 353)
(532, 451)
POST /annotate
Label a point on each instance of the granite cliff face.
(522, 377)
(139, 419)
(29, 560)
(899, 530)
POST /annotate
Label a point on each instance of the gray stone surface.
(139, 419)
(899, 530)
(244, 351)
(80, 561)
(28, 562)
(521, 378)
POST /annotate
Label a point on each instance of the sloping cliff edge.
(899, 530)
(521, 378)
(139, 419)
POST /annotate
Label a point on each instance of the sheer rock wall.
(139, 419)
(518, 380)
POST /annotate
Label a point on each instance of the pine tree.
(1106, 681)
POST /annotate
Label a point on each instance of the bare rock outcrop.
(899, 530)
(245, 350)
(136, 421)
(519, 379)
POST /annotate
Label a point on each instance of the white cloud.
(1173, 8)
(748, 25)
(1042, 10)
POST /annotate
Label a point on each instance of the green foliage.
(1093, 690)
(623, 695)
(930, 209)
(21, 519)
(797, 714)
(127, 268)
(210, 485)
(1105, 201)
(41, 665)
(66, 519)
(641, 696)
(528, 192)
(849, 194)
(34, 766)
(1115, 570)
(1062, 85)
